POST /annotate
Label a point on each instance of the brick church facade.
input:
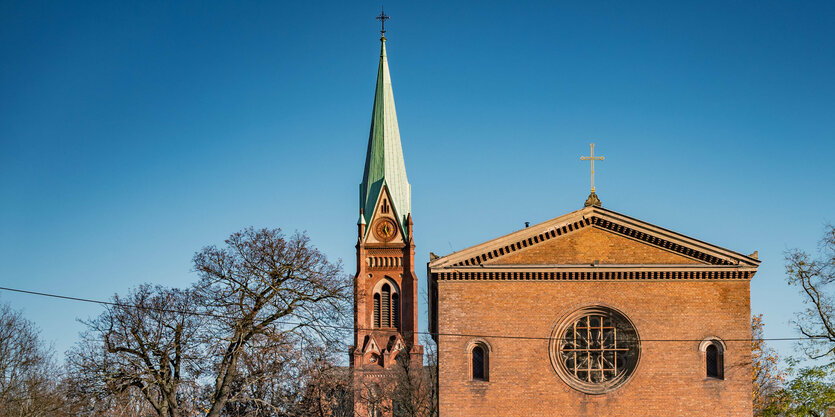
(593, 313)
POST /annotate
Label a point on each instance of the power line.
(115, 304)
(333, 326)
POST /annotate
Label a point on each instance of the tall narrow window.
(385, 311)
(377, 310)
(479, 356)
(395, 309)
(714, 361)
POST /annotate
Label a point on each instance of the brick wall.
(669, 379)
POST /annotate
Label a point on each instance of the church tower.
(385, 286)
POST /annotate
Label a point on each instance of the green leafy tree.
(812, 390)
(811, 393)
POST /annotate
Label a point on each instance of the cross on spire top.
(382, 18)
(592, 200)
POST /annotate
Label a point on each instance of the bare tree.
(262, 283)
(815, 277)
(267, 381)
(409, 390)
(412, 386)
(326, 387)
(140, 352)
(431, 355)
(255, 337)
(81, 399)
(414, 389)
(288, 378)
(27, 377)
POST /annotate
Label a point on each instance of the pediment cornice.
(704, 254)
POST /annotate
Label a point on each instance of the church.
(590, 313)
(593, 313)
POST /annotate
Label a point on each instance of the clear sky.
(134, 133)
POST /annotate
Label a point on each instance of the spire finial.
(592, 200)
(382, 18)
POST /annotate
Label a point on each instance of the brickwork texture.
(672, 317)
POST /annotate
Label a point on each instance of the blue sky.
(134, 133)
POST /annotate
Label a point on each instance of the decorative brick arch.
(487, 351)
(712, 339)
(386, 280)
(717, 362)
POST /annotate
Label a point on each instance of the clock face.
(385, 229)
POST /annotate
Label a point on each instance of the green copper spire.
(384, 162)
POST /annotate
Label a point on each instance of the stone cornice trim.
(593, 268)
(735, 274)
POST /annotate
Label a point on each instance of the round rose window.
(595, 349)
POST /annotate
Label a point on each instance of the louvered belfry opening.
(385, 310)
(395, 310)
(387, 307)
(377, 310)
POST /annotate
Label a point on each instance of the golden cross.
(592, 158)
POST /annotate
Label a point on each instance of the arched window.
(479, 361)
(386, 312)
(714, 361)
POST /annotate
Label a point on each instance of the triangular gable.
(371, 346)
(385, 209)
(624, 233)
(395, 343)
(591, 245)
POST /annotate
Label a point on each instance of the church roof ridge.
(682, 237)
(473, 255)
(445, 260)
(384, 162)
